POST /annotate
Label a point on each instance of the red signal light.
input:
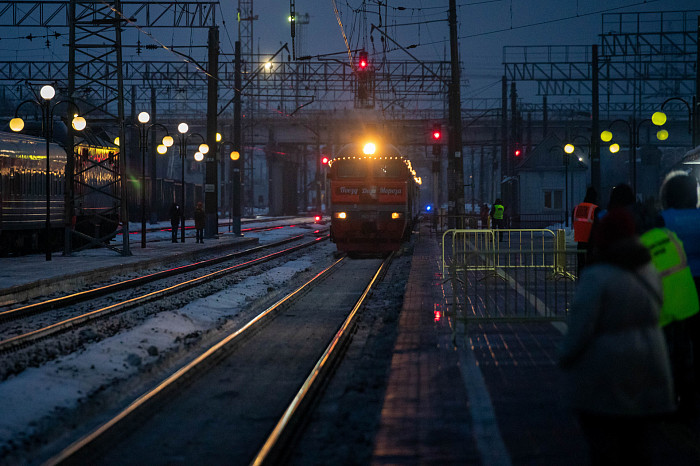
(363, 63)
(517, 152)
(317, 218)
(324, 160)
(437, 132)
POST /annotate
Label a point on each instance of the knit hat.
(617, 225)
(617, 242)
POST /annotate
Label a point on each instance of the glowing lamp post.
(183, 129)
(633, 130)
(47, 93)
(143, 128)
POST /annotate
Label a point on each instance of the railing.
(509, 275)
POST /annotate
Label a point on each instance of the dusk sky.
(485, 27)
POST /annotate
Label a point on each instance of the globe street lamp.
(633, 130)
(183, 129)
(659, 118)
(143, 129)
(47, 93)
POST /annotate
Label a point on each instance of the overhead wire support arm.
(257, 72)
(409, 54)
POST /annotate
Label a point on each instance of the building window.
(553, 199)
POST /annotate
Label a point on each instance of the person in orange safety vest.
(585, 217)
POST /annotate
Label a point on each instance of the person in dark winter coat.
(174, 215)
(199, 222)
(613, 355)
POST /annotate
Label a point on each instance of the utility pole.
(595, 125)
(236, 164)
(455, 168)
(211, 197)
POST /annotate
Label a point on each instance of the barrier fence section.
(508, 275)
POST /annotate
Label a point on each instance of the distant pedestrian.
(199, 222)
(613, 355)
(174, 215)
(484, 214)
(585, 219)
(497, 217)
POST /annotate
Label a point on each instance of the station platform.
(494, 399)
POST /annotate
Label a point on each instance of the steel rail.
(292, 420)
(200, 363)
(81, 296)
(36, 335)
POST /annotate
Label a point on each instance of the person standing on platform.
(484, 214)
(174, 215)
(200, 219)
(680, 214)
(497, 217)
(614, 357)
(585, 218)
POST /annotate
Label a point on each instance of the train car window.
(352, 169)
(389, 169)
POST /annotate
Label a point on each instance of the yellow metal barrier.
(513, 278)
(540, 248)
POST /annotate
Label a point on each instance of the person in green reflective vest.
(497, 217)
(674, 246)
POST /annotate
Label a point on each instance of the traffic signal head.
(363, 63)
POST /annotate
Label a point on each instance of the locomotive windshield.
(371, 168)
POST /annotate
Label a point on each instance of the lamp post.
(235, 157)
(570, 149)
(659, 118)
(183, 129)
(633, 130)
(47, 93)
(565, 158)
(144, 128)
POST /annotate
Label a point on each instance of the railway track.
(274, 223)
(232, 404)
(101, 311)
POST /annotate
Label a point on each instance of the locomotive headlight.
(395, 215)
(340, 215)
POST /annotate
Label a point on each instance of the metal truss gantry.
(644, 58)
(280, 96)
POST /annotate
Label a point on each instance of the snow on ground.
(61, 383)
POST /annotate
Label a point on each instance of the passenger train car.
(23, 191)
(374, 198)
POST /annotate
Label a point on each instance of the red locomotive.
(374, 198)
